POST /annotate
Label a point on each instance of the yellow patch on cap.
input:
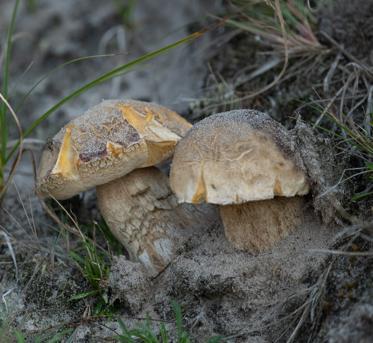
(114, 149)
(67, 158)
(135, 118)
(201, 192)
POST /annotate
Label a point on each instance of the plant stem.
(4, 90)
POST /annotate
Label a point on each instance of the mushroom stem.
(257, 226)
(144, 215)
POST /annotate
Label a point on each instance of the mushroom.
(100, 148)
(107, 142)
(247, 163)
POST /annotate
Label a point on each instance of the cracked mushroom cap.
(236, 157)
(106, 142)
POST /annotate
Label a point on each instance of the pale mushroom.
(100, 148)
(247, 163)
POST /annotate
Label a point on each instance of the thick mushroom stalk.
(144, 215)
(241, 160)
(257, 226)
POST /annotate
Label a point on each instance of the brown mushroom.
(247, 163)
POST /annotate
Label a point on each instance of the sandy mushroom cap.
(108, 141)
(236, 157)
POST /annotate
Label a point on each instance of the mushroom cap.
(106, 142)
(236, 157)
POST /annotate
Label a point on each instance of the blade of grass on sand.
(17, 159)
(118, 71)
(59, 67)
(4, 91)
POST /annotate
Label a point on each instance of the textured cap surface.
(105, 143)
(235, 157)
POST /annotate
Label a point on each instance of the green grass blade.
(77, 258)
(58, 337)
(103, 78)
(59, 67)
(163, 333)
(361, 196)
(19, 337)
(83, 295)
(178, 316)
(216, 339)
(122, 326)
(182, 335)
(369, 165)
(4, 90)
(125, 336)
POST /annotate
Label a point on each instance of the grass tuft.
(353, 135)
(285, 27)
(263, 18)
(94, 263)
(148, 333)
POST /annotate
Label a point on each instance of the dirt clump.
(128, 284)
(223, 291)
